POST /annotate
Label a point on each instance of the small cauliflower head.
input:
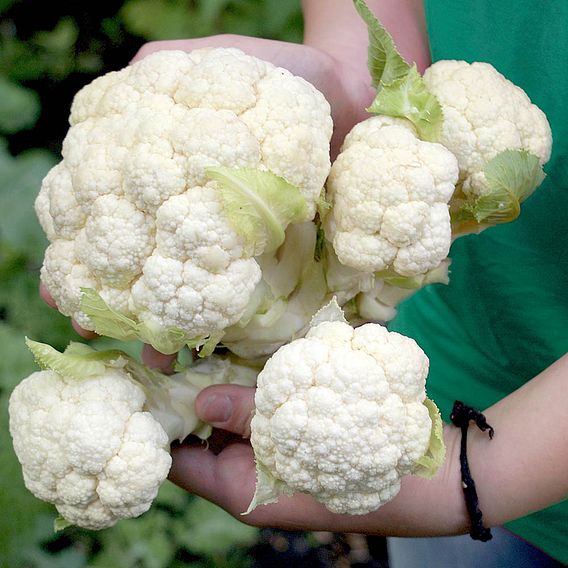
(485, 114)
(88, 446)
(177, 172)
(341, 415)
(93, 429)
(500, 138)
(389, 192)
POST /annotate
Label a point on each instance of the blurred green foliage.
(45, 57)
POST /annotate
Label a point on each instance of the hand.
(48, 299)
(227, 478)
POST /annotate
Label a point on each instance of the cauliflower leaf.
(401, 91)
(512, 176)
(259, 205)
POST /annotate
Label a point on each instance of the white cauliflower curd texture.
(340, 414)
(484, 115)
(130, 211)
(88, 447)
(390, 193)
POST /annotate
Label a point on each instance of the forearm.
(522, 469)
(335, 27)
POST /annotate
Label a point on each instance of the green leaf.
(61, 38)
(78, 361)
(268, 488)
(20, 507)
(209, 531)
(408, 97)
(21, 305)
(431, 461)
(55, 50)
(512, 176)
(20, 107)
(385, 62)
(5, 5)
(110, 323)
(144, 542)
(259, 205)
(107, 322)
(20, 180)
(401, 91)
(160, 19)
(60, 524)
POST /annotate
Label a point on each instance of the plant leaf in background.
(20, 179)
(210, 531)
(20, 107)
(22, 243)
(171, 19)
(46, 53)
(16, 530)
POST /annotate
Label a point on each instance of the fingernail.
(217, 408)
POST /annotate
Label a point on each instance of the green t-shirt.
(504, 316)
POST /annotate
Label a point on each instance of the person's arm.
(522, 469)
(335, 27)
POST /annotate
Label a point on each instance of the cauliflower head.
(88, 446)
(167, 167)
(484, 115)
(389, 192)
(341, 415)
(93, 429)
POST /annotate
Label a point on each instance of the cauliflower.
(389, 193)
(500, 139)
(92, 431)
(178, 172)
(484, 115)
(477, 154)
(342, 415)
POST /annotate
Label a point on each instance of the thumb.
(229, 407)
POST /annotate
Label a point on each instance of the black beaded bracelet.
(461, 416)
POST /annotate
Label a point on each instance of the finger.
(229, 479)
(277, 52)
(47, 297)
(156, 360)
(225, 40)
(229, 407)
(83, 332)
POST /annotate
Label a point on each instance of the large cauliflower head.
(341, 414)
(132, 211)
(390, 193)
(484, 115)
(88, 446)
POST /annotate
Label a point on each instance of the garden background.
(48, 51)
